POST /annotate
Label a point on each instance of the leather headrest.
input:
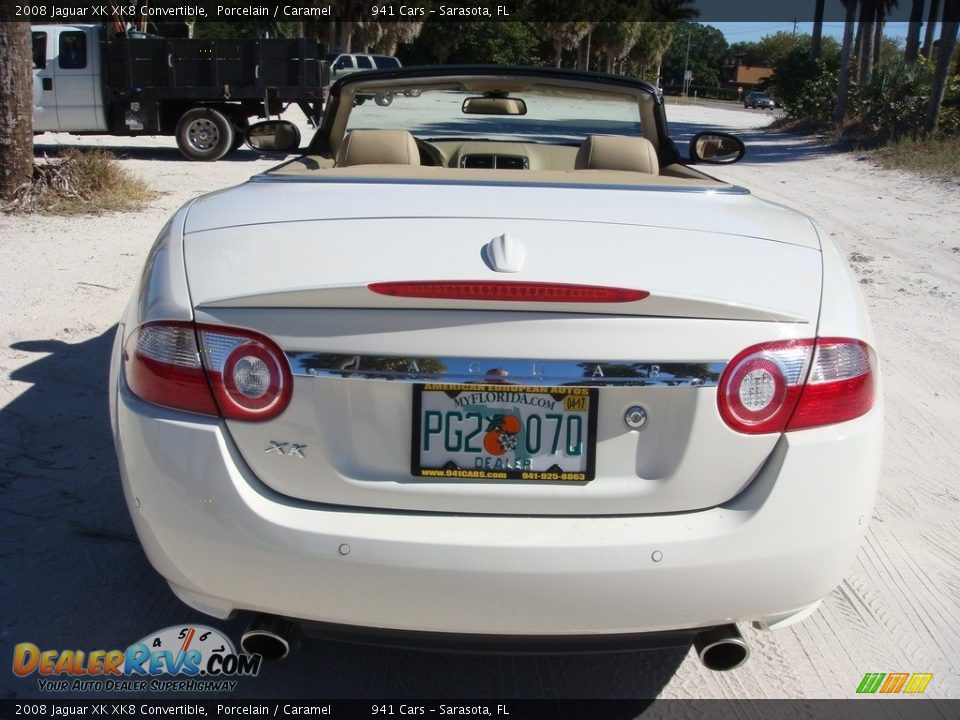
(378, 147)
(617, 152)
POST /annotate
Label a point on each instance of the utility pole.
(794, 27)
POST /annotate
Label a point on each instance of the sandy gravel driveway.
(74, 575)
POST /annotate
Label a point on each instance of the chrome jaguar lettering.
(514, 372)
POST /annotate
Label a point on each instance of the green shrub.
(806, 89)
(890, 107)
(893, 105)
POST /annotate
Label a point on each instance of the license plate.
(504, 432)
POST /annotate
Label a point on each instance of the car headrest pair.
(597, 152)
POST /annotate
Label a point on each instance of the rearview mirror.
(273, 136)
(494, 106)
(716, 148)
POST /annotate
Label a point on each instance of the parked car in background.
(343, 64)
(497, 366)
(758, 100)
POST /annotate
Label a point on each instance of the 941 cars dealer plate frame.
(504, 432)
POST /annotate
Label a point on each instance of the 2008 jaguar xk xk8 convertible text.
(492, 365)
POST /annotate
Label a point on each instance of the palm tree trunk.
(927, 50)
(346, 36)
(913, 33)
(817, 30)
(858, 44)
(868, 12)
(16, 103)
(878, 35)
(948, 41)
(843, 86)
(586, 54)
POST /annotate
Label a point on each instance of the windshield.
(552, 115)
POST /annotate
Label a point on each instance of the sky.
(738, 32)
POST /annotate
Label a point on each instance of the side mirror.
(716, 148)
(273, 136)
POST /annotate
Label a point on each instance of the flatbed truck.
(88, 80)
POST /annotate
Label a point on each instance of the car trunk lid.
(353, 433)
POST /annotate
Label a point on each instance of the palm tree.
(16, 104)
(616, 40)
(868, 13)
(563, 35)
(913, 33)
(948, 41)
(843, 85)
(927, 50)
(879, 22)
(817, 30)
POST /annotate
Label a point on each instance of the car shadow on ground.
(763, 145)
(138, 152)
(75, 576)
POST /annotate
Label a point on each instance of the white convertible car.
(496, 367)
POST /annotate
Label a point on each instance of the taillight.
(840, 385)
(234, 373)
(796, 384)
(162, 365)
(508, 291)
(248, 373)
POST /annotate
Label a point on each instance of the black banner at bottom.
(853, 709)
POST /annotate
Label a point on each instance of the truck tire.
(204, 134)
(239, 136)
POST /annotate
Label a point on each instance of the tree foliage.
(708, 52)
(504, 43)
(614, 40)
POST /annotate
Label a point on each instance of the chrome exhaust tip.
(721, 648)
(269, 636)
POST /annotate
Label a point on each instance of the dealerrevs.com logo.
(192, 658)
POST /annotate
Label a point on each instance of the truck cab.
(67, 82)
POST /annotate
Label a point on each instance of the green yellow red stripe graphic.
(890, 683)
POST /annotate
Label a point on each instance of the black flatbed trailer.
(150, 84)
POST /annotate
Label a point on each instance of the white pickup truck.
(204, 92)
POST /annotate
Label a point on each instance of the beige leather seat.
(617, 152)
(378, 147)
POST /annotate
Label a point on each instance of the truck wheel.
(383, 98)
(239, 137)
(204, 134)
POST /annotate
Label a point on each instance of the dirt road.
(75, 577)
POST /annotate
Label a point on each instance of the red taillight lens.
(508, 291)
(797, 384)
(840, 385)
(211, 370)
(162, 365)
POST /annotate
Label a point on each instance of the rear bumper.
(226, 542)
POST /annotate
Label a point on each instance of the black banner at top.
(504, 709)
(450, 10)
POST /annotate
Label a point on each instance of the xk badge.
(286, 448)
